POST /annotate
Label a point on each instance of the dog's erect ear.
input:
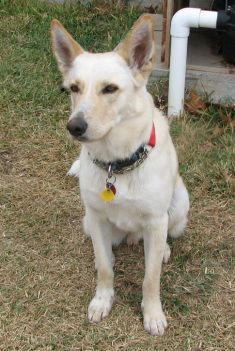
(65, 48)
(138, 48)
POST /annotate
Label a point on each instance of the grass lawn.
(47, 275)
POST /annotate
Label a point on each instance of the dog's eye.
(74, 88)
(109, 89)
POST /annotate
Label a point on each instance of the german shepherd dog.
(129, 180)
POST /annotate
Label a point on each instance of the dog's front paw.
(100, 306)
(155, 323)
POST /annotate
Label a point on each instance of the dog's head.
(104, 86)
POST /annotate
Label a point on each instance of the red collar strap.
(152, 139)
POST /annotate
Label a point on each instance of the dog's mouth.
(85, 139)
(81, 139)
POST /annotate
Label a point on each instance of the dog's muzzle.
(77, 126)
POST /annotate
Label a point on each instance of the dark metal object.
(226, 24)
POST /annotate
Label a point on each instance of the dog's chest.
(126, 213)
(131, 207)
(141, 194)
(127, 216)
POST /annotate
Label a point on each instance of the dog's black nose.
(77, 126)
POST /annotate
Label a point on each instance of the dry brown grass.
(47, 271)
(47, 275)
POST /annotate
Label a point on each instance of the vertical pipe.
(177, 75)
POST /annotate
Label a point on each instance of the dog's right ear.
(65, 48)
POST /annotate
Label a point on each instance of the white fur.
(151, 199)
(144, 198)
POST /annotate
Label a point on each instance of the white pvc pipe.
(181, 23)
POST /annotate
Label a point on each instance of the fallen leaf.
(208, 147)
(195, 103)
(227, 118)
(232, 124)
(217, 131)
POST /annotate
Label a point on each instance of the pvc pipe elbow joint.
(187, 18)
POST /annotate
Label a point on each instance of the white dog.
(129, 179)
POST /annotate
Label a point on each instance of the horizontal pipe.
(208, 19)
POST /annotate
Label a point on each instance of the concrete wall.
(141, 3)
(145, 3)
(68, 1)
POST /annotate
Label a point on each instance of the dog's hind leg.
(167, 253)
(117, 235)
(178, 211)
(134, 238)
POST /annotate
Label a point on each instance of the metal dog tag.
(108, 194)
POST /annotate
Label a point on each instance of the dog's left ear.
(138, 48)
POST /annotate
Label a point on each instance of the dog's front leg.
(101, 304)
(154, 247)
